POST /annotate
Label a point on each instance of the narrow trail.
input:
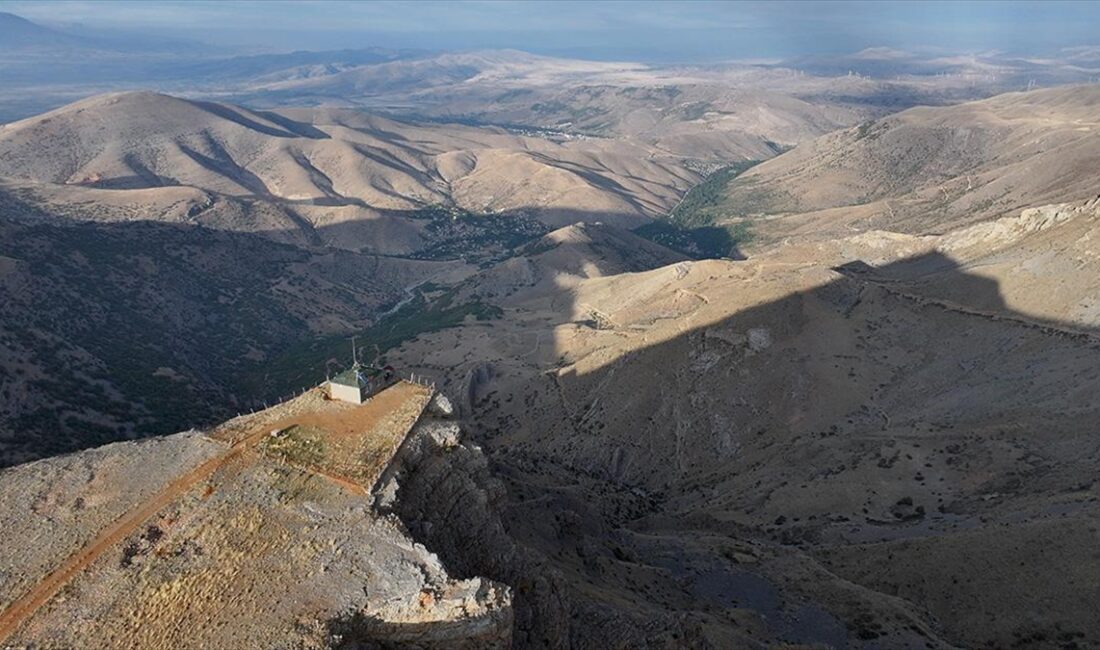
(23, 608)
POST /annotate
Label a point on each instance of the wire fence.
(411, 377)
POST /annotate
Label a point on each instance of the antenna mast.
(354, 358)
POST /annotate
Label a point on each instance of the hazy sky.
(654, 31)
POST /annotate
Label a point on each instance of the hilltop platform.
(350, 443)
(174, 542)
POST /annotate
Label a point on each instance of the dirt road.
(23, 608)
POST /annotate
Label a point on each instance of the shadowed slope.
(793, 450)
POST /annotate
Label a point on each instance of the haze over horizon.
(640, 30)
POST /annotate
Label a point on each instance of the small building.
(358, 383)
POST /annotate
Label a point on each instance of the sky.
(684, 31)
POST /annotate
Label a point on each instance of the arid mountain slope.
(742, 111)
(682, 108)
(329, 166)
(566, 256)
(930, 169)
(804, 444)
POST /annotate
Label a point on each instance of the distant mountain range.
(333, 165)
(21, 36)
(17, 33)
(53, 66)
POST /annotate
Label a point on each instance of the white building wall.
(345, 393)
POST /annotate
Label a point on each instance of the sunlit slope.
(926, 170)
(314, 161)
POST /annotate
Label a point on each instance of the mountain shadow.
(358, 632)
(115, 331)
(125, 329)
(858, 463)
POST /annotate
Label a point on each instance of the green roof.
(347, 378)
(354, 376)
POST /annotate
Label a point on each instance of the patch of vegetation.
(515, 93)
(747, 197)
(691, 227)
(648, 93)
(704, 242)
(297, 445)
(141, 545)
(777, 147)
(136, 329)
(546, 130)
(695, 110)
(455, 233)
(706, 202)
(305, 364)
(865, 626)
(549, 107)
(538, 248)
(871, 130)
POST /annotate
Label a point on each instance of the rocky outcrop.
(472, 614)
(445, 492)
(1006, 230)
(441, 488)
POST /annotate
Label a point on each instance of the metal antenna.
(354, 358)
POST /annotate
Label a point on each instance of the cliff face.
(442, 490)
